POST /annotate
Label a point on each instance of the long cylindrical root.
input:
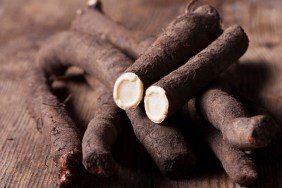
(92, 21)
(135, 43)
(174, 90)
(235, 162)
(94, 55)
(59, 128)
(165, 143)
(57, 54)
(236, 124)
(100, 135)
(184, 37)
(103, 62)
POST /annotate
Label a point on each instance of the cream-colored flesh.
(156, 104)
(128, 91)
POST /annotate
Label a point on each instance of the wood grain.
(25, 24)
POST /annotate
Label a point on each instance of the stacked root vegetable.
(178, 72)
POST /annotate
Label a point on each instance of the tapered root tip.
(180, 167)
(128, 91)
(156, 104)
(100, 164)
(255, 132)
(69, 165)
(265, 131)
(247, 176)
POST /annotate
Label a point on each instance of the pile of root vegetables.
(182, 71)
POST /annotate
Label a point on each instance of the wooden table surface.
(25, 24)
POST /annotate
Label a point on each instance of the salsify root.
(165, 144)
(100, 135)
(56, 124)
(170, 93)
(184, 37)
(232, 118)
(135, 43)
(93, 21)
(169, 51)
(101, 60)
(238, 165)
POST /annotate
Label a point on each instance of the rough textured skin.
(92, 21)
(197, 29)
(135, 43)
(57, 54)
(184, 37)
(165, 144)
(94, 55)
(51, 115)
(185, 82)
(238, 127)
(235, 162)
(100, 135)
(102, 61)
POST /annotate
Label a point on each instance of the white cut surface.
(156, 104)
(128, 91)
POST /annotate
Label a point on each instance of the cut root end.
(128, 91)
(156, 104)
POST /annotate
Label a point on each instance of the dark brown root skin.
(230, 116)
(92, 21)
(238, 165)
(69, 169)
(100, 163)
(169, 51)
(165, 143)
(58, 127)
(94, 55)
(100, 135)
(57, 54)
(185, 82)
(133, 43)
(105, 63)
